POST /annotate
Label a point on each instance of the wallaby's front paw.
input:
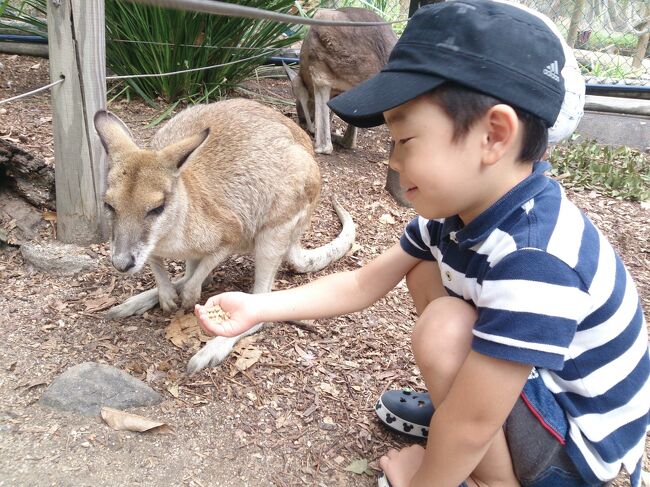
(189, 297)
(168, 300)
(212, 354)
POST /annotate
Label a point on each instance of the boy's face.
(441, 177)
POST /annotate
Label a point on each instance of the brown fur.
(228, 177)
(333, 59)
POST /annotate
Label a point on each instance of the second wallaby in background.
(334, 59)
(224, 178)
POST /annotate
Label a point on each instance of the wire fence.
(610, 38)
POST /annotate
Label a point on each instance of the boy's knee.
(444, 327)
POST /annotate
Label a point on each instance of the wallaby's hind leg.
(270, 248)
(135, 305)
(349, 139)
(323, 137)
(164, 293)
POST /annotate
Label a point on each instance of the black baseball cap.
(489, 46)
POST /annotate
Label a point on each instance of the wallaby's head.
(140, 196)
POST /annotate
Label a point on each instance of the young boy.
(530, 336)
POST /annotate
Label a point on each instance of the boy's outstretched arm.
(463, 426)
(333, 295)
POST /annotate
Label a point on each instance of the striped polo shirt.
(551, 292)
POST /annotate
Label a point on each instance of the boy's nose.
(392, 160)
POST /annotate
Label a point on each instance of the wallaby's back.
(343, 57)
(255, 163)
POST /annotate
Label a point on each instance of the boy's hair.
(464, 107)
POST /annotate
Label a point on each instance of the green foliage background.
(142, 39)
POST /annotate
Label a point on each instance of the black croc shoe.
(406, 412)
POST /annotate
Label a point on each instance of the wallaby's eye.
(157, 210)
(109, 208)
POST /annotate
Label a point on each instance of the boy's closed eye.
(403, 141)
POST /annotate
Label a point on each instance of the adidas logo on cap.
(552, 71)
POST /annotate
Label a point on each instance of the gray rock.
(87, 387)
(56, 257)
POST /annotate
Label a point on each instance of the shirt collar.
(481, 226)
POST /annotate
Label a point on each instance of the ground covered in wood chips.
(295, 409)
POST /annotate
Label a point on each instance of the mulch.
(307, 402)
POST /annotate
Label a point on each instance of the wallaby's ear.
(290, 72)
(113, 133)
(176, 155)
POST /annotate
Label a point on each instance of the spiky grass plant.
(144, 39)
(27, 16)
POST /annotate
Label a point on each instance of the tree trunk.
(29, 176)
(576, 17)
(644, 40)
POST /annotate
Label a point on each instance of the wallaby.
(334, 59)
(228, 177)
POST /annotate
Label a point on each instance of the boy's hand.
(240, 309)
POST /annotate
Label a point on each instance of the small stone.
(87, 387)
(57, 257)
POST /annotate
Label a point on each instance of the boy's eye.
(404, 141)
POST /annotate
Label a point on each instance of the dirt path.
(299, 416)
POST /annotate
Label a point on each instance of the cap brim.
(363, 105)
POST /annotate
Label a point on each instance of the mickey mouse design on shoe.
(406, 411)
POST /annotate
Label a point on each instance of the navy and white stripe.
(551, 292)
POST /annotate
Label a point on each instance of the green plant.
(599, 40)
(172, 40)
(31, 15)
(618, 172)
(613, 69)
(389, 10)
(141, 39)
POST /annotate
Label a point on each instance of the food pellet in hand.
(217, 315)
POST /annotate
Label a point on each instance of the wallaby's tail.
(312, 260)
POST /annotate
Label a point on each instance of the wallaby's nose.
(124, 263)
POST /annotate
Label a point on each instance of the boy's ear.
(501, 134)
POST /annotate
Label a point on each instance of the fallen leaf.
(98, 304)
(329, 389)
(173, 390)
(123, 421)
(387, 218)
(358, 466)
(184, 330)
(248, 356)
(49, 216)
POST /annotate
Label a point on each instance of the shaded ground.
(299, 416)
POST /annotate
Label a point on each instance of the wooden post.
(77, 53)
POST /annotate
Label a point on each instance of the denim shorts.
(535, 432)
